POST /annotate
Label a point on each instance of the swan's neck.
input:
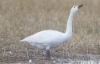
(69, 25)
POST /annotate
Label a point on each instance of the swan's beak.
(79, 6)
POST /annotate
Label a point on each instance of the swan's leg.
(48, 54)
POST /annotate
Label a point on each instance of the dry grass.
(21, 18)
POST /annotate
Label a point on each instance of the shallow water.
(71, 58)
(84, 62)
(76, 61)
(68, 62)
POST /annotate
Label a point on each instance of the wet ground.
(31, 57)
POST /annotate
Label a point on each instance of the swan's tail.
(22, 41)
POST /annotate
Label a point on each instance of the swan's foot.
(48, 55)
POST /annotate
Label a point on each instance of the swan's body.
(48, 39)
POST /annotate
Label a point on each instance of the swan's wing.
(45, 36)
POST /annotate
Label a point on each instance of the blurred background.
(21, 18)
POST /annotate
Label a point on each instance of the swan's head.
(75, 9)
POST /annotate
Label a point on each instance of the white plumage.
(48, 39)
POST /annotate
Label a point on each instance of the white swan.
(48, 39)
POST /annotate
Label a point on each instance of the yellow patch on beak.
(76, 6)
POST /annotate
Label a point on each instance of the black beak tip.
(80, 5)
